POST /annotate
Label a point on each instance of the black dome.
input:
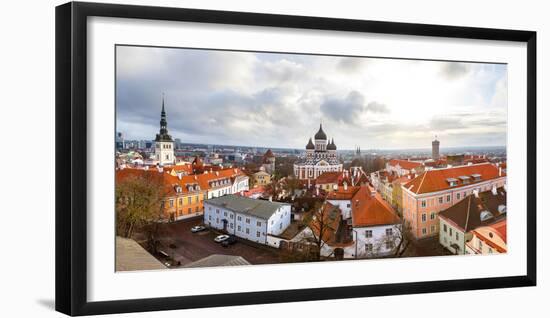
(320, 135)
(331, 145)
(310, 145)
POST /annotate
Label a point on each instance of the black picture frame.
(71, 157)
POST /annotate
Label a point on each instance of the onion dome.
(320, 135)
(331, 145)
(310, 145)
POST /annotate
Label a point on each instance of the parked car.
(221, 238)
(230, 241)
(198, 228)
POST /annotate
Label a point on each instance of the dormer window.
(464, 179)
(452, 182)
(476, 176)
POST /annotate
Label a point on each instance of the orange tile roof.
(368, 210)
(405, 164)
(343, 194)
(170, 181)
(329, 177)
(500, 228)
(436, 180)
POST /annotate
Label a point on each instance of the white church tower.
(164, 145)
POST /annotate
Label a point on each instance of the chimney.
(476, 193)
(494, 189)
(345, 186)
(500, 171)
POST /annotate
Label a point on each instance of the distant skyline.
(278, 100)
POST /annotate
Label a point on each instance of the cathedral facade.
(320, 157)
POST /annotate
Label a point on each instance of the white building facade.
(247, 218)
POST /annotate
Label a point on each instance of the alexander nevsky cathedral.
(320, 157)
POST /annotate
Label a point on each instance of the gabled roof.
(343, 193)
(330, 177)
(258, 208)
(368, 210)
(405, 164)
(436, 180)
(493, 235)
(473, 212)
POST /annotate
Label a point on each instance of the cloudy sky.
(278, 100)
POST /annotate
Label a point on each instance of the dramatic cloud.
(278, 100)
(377, 107)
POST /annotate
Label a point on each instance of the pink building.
(436, 190)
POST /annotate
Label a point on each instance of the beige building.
(261, 178)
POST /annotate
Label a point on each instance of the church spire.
(163, 133)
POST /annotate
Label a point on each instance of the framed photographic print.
(211, 158)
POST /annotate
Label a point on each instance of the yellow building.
(261, 178)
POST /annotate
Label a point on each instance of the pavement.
(190, 247)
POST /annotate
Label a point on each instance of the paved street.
(190, 247)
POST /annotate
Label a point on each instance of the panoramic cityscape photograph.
(230, 158)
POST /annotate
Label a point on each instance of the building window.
(456, 235)
(247, 221)
(239, 228)
(257, 234)
(423, 203)
(217, 211)
(448, 198)
(189, 210)
(231, 216)
(368, 247)
(210, 218)
(432, 228)
(225, 213)
(432, 216)
(458, 196)
(348, 205)
(389, 245)
(423, 231)
(450, 231)
(389, 232)
(280, 226)
(181, 201)
(171, 203)
(247, 231)
(189, 200)
(445, 228)
(231, 225)
(368, 233)
(239, 218)
(440, 200)
(258, 223)
(217, 220)
(480, 245)
(423, 217)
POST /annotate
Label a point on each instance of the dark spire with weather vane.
(163, 133)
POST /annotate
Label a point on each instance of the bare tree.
(138, 202)
(320, 222)
(402, 238)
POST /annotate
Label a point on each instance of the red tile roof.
(330, 177)
(368, 210)
(169, 181)
(500, 228)
(342, 193)
(436, 180)
(405, 164)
